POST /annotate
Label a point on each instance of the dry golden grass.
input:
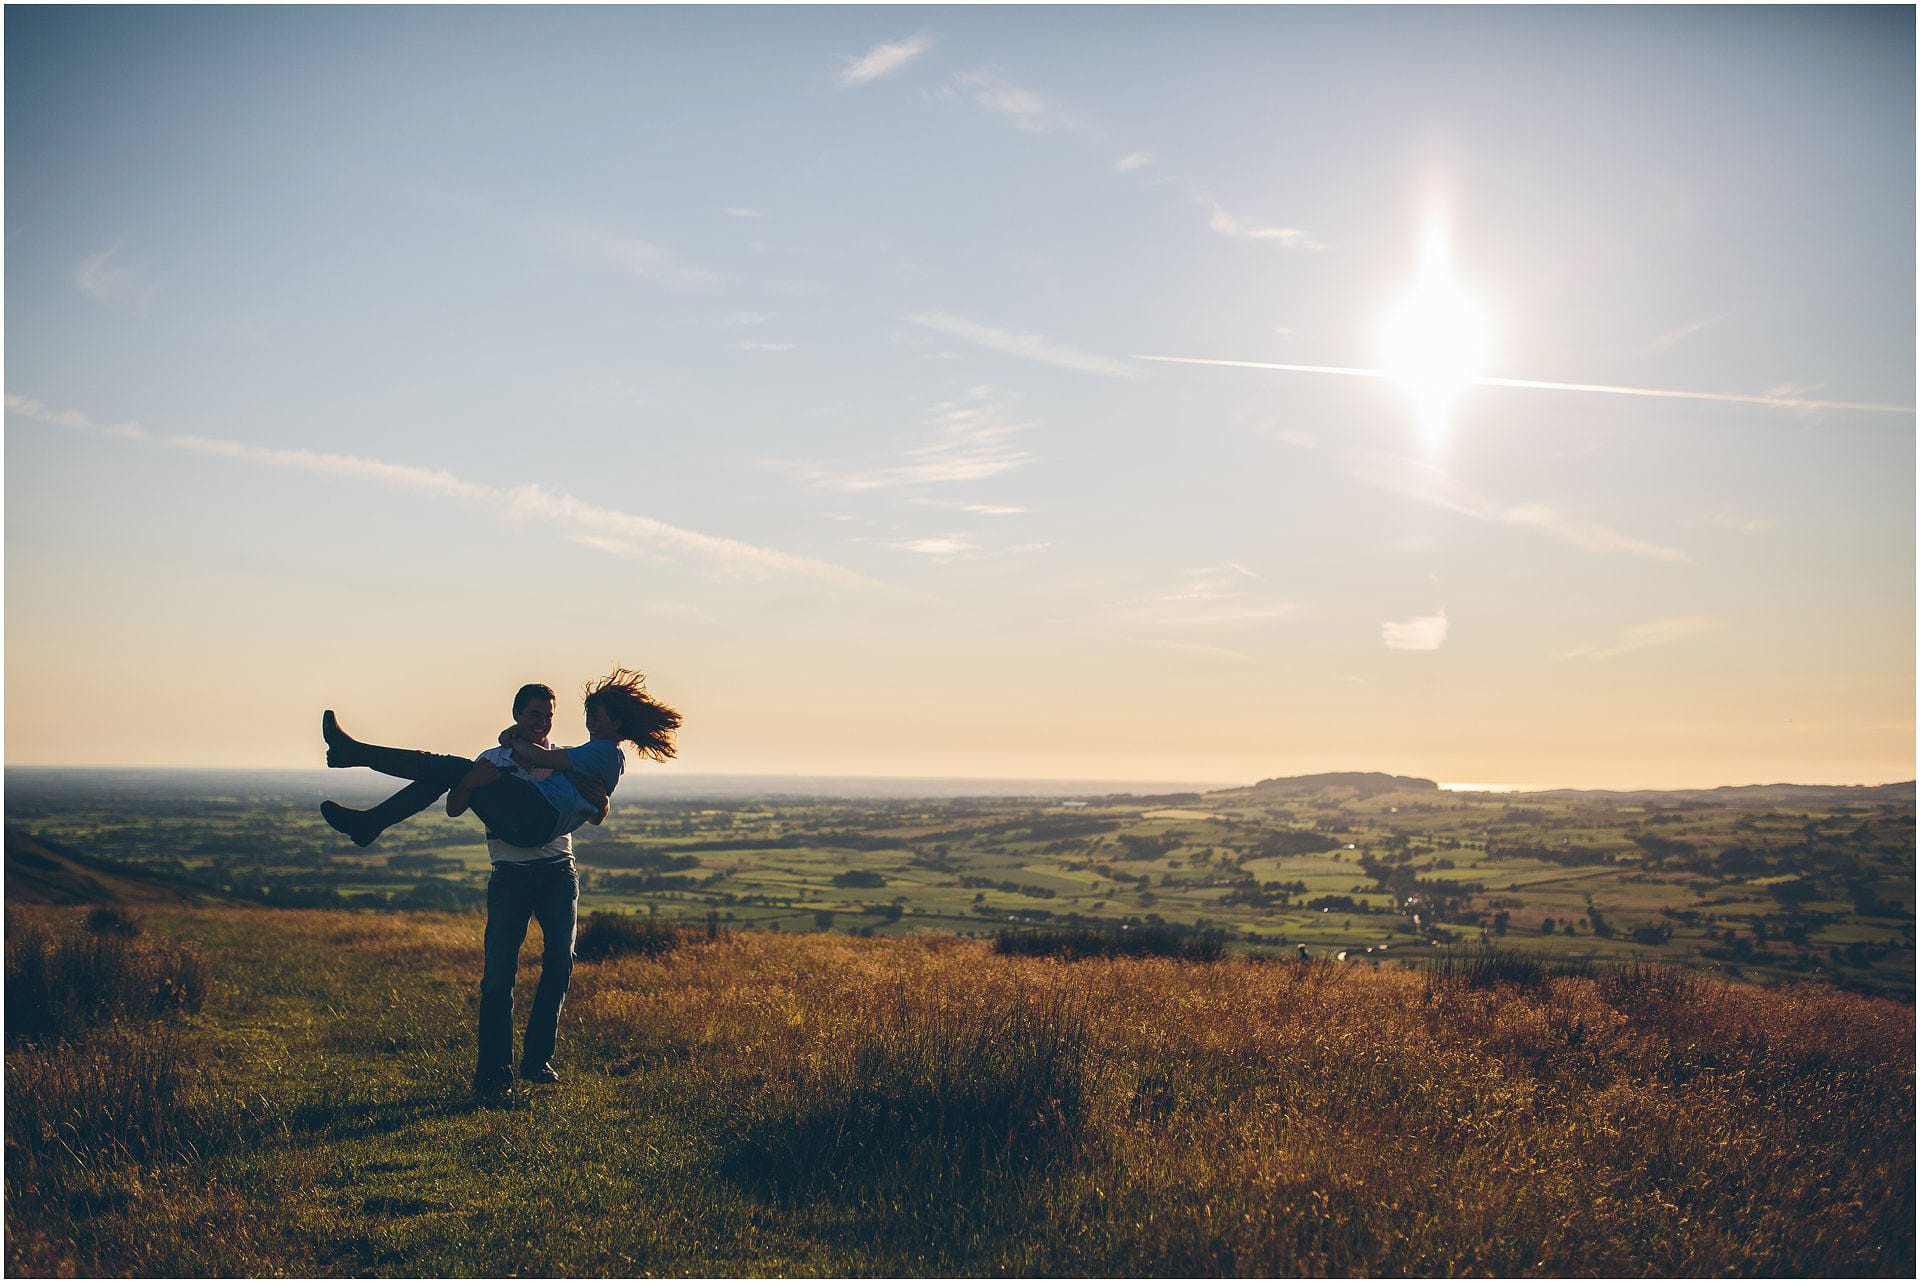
(821, 1104)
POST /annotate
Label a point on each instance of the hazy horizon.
(811, 361)
(669, 781)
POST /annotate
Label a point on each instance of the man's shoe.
(346, 820)
(339, 744)
(492, 1086)
(539, 1074)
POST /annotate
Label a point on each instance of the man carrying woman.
(531, 796)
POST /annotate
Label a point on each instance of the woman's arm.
(531, 755)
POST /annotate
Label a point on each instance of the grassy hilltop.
(257, 1091)
(1758, 883)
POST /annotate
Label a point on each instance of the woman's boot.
(403, 763)
(365, 826)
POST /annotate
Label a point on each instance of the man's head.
(533, 711)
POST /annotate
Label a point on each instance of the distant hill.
(1363, 783)
(1748, 794)
(1371, 783)
(45, 872)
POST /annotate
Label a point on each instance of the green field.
(222, 1092)
(1768, 885)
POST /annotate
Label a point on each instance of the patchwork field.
(1756, 884)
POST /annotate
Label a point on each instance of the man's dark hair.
(530, 692)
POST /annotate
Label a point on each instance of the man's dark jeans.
(516, 892)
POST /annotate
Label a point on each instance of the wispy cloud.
(1422, 632)
(105, 279)
(1242, 229)
(942, 546)
(1022, 108)
(970, 441)
(1417, 480)
(617, 547)
(1297, 439)
(1210, 600)
(1777, 397)
(991, 509)
(1791, 391)
(759, 345)
(1031, 347)
(1734, 519)
(640, 257)
(1679, 335)
(1427, 484)
(743, 211)
(399, 476)
(28, 408)
(978, 509)
(882, 60)
(1659, 632)
(1194, 648)
(606, 529)
(1131, 161)
(1582, 533)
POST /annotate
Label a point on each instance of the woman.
(519, 811)
(522, 812)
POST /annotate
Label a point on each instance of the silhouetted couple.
(531, 796)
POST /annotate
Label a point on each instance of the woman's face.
(600, 724)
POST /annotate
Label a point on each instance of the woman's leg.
(482, 774)
(404, 763)
(365, 826)
(514, 811)
(432, 774)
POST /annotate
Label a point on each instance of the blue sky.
(385, 359)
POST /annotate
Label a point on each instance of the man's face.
(535, 719)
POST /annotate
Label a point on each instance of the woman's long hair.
(644, 721)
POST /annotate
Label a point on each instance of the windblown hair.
(644, 721)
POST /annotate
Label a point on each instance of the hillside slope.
(765, 1104)
(40, 871)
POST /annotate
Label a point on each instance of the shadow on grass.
(349, 1117)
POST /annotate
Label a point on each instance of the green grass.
(762, 1104)
(263, 841)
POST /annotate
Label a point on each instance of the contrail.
(1792, 403)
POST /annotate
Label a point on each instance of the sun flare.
(1435, 339)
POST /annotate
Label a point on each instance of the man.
(527, 882)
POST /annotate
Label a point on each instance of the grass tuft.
(1486, 968)
(109, 919)
(1075, 943)
(617, 935)
(927, 1120)
(58, 984)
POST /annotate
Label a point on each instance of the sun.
(1434, 340)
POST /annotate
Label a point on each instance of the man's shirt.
(503, 853)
